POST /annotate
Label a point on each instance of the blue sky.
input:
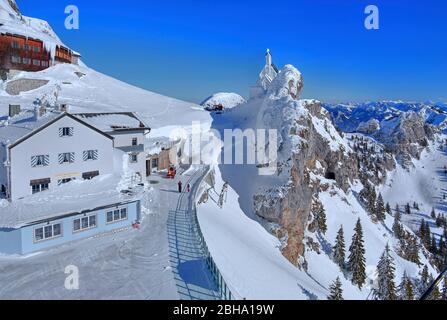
(190, 49)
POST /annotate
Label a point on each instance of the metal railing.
(224, 290)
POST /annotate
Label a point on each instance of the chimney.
(39, 112)
(64, 108)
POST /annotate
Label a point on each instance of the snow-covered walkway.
(193, 278)
(162, 260)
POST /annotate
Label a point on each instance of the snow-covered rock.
(369, 127)
(223, 100)
(316, 168)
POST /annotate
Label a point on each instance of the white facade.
(132, 143)
(82, 153)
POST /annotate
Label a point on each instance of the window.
(116, 215)
(90, 175)
(66, 132)
(48, 232)
(154, 163)
(36, 62)
(90, 155)
(64, 181)
(39, 185)
(15, 59)
(26, 60)
(36, 49)
(133, 158)
(15, 45)
(26, 47)
(67, 157)
(84, 223)
(44, 63)
(134, 141)
(40, 161)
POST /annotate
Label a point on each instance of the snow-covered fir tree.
(388, 209)
(380, 208)
(407, 209)
(406, 288)
(386, 287)
(339, 249)
(397, 226)
(336, 290)
(433, 213)
(356, 260)
(424, 280)
(321, 219)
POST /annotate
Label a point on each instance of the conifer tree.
(339, 248)
(424, 280)
(356, 260)
(406, 288)
(321, 219)
(433, 213)
(444, 289)
(386, 289)
(407, 209)
(372, 198)
(427, 237)
(409, 247)
(439, 221)
(388, 209)
(435, 294)
(380, 208)
(397, 209)
(397, 227)
(433, 245)
(336, 290)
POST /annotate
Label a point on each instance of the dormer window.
(134, 141)
(66, 132)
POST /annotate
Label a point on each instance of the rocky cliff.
(310, 151)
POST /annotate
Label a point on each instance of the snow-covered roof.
(113, 121)
(24, 124)
(12, 22)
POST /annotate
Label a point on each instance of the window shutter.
(61, 132)
(72, 157)
(46, 160)
(85, 155)
(95, 154)
(61, 158)
(33, 161)
(70, 132)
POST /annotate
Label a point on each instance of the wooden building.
(22, 53)
(27, 54)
